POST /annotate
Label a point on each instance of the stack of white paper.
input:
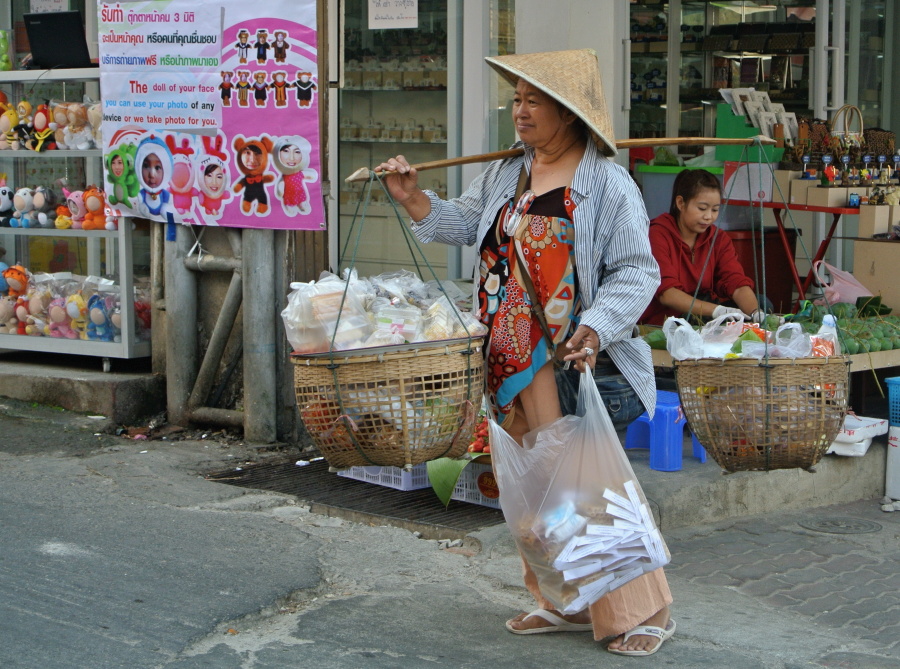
(608, 556)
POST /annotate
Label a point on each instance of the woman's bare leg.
(538, 405)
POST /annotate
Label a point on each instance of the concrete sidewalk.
(118, 553)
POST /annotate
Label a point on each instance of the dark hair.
(689, 183)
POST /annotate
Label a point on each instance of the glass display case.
(393, 101)
(716, 45)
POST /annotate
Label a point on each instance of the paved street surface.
(117, 553)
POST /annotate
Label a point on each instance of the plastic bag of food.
(444, 321)
(399, 318)
(682, 340)
(789, 341)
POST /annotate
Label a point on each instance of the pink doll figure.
(76, 307)
(23, 204)
(291, 158)
(75, 204)
(44, 207)
(59, 323)
(212, 177)
(77, 133)
(181, 185)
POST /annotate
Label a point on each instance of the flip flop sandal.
(557, 624)
(647, 630)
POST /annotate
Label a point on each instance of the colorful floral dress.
(546, 238)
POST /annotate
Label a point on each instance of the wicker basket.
(777, 414)
(395, 406)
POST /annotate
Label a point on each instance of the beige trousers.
(621, 610)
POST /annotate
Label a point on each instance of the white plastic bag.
(790, 341)
(574, 506)
(682, 340)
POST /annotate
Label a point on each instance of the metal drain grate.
(329, 494)
(841, 525)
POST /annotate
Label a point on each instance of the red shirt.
(683, 268)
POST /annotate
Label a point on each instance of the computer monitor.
(57, 40)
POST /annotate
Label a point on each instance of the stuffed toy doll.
(94, 209)
(75, 205)
(17, 278)
(44, 207)
(59, 323)
(99, 327)
(23, 204)
(9, 138)
(7, 315)
(77, 132)
(6, 204)
(42, 131)
(76, 307)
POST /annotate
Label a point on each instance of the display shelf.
(52, 154)
(109, 253)
(394, 141)
(42, 76)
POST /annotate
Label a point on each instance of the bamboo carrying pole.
(364, 173)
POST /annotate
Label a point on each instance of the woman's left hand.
(583, 345)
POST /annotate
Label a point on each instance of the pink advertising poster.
(211, 112)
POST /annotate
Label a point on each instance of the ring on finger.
(588, 350)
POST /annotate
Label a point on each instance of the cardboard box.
(657, 47)
(783, 179)
(875, 266)
(372, 80)
(353, 79)
(799, 189)
(413, 79)
(874, 219)
(827, 197)
(392, 80)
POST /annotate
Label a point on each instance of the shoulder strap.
(536, 306)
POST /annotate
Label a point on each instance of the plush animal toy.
(44, 207)
(6, 204)
(63, 220)
(252, 160)
(23, 204)
(32, 312)
(99, 327)
(291, 159)
(59, 323)
(77, 132)
(95, 121)
(77, 210)
(95, 209)
(120, 173)
(41, 132)
(59, 119)
(17, 277)
(7, 315)
(9, 138)
(76, 307)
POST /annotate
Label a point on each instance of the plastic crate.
(893, 384)
(477, 485)
(390, 477)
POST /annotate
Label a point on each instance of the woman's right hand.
(401, 180)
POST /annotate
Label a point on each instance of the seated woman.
(692, 251)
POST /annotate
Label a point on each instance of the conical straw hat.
(572, 78)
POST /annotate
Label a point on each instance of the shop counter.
(860, 362)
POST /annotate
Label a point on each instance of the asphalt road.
(118, 553)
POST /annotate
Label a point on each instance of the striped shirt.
(617, 273)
